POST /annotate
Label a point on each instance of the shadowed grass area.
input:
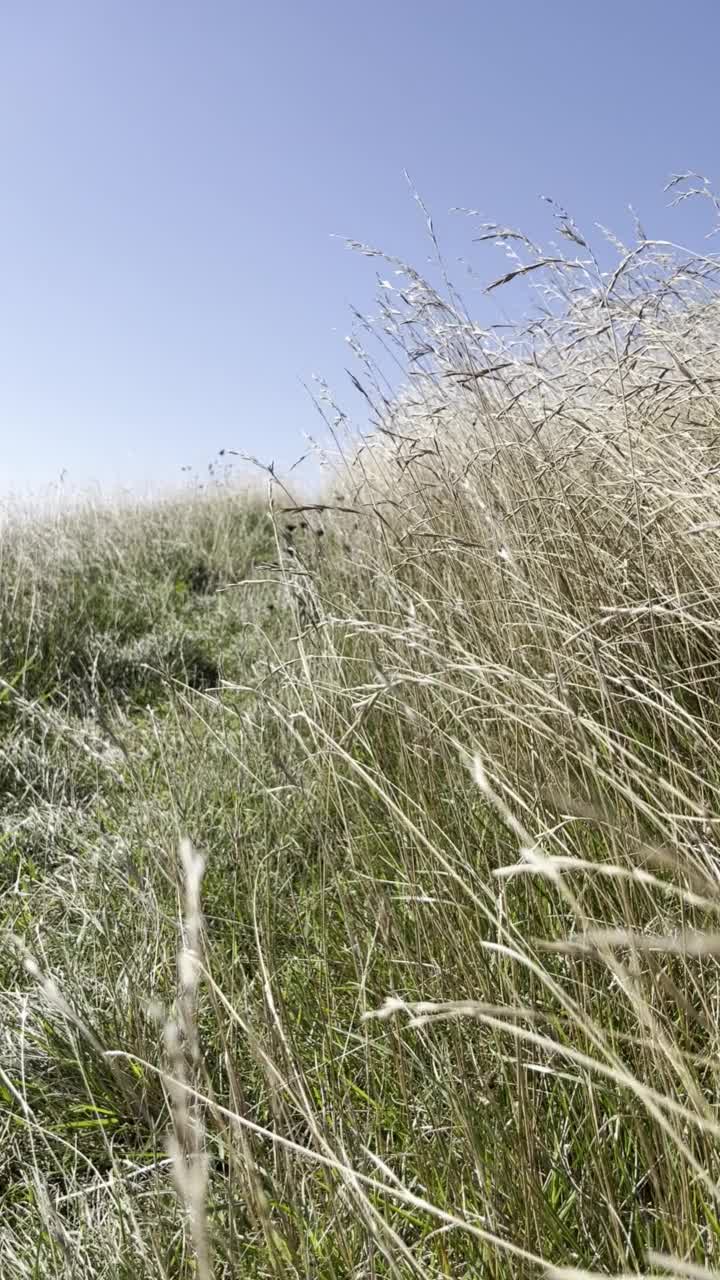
(100, 605)
(370, 848)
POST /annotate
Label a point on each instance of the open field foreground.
(360, 864)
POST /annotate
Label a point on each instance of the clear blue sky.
(172, 174)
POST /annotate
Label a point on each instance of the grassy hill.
(360, 863)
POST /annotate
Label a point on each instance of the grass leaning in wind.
(459, 792)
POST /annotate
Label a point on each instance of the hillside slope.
(436, 759)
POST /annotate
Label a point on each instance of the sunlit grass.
(446, 744)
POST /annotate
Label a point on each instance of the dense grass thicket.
(360, 860)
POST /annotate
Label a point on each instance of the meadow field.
(360, 853)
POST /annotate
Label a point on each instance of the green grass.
(447, 745)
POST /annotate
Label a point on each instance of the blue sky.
(173, 175)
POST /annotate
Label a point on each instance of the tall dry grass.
(453, 1008)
